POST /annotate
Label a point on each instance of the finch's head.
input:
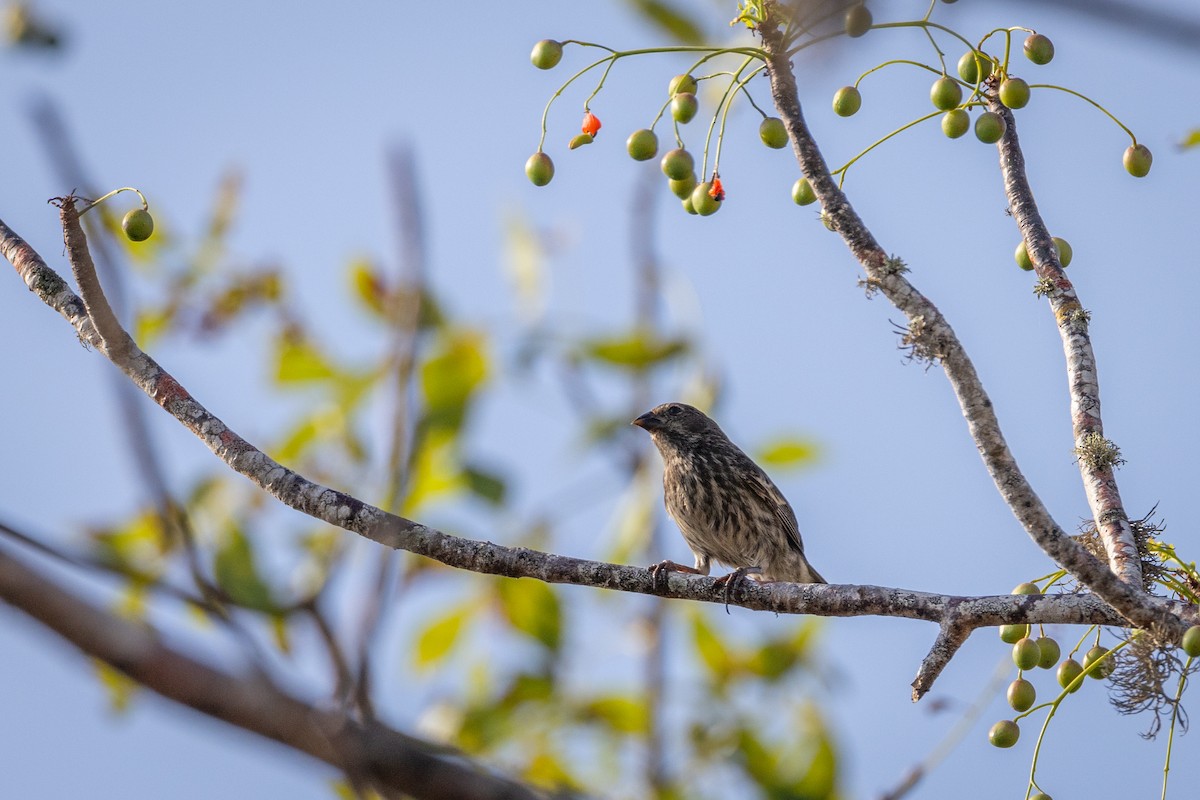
(677, 423)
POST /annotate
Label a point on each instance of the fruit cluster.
(1044, 652)
(985, 77)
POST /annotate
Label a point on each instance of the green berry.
(677, 164)
(858, 20)
(1004, 733)
(683, 188)
(1026, 588)
(1021, 695)
(138, 225)
(546, 54)
(1068, 671)
(1026, 653)
(773, 133)
(642, 145)
(1050, 652)
(846, 101)
(989, 127)
(1011, 634)
(1065, 253)
(704, 203)
(973, 66)
(956, 123)
(1104, 668)
(802, 193)
(1022, 257)
(1137, 160)
(1041, 796)
(684, 106)
(1039, 49)
(687, 205)
(945, 93)
(1014, 93)
(579, 140)
(1191, 641)
(539, 169)
(681, 84)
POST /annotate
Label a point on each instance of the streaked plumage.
(726, 506)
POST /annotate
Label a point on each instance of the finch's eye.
(673, 411)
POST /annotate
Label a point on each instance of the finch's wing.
(770, 495)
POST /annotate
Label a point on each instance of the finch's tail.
(813, 576)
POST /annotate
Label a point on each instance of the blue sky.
(168, 97)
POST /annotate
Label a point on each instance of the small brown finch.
(725, 505)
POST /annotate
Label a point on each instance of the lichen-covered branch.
(931, 336)
(369, 754)
(1097, 456)
(348, 512)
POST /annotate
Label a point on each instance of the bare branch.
(1096, 455)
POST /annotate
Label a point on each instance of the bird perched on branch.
(724, 504)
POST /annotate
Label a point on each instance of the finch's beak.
(648, 422)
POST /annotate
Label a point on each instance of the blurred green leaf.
(438, 638)
(120, 687)
(711, 649)
(788, 451)
(547, 769)
(525, 257)
(621, 713)
(527, 687)
(532, 608)
(298, 440)
(670, 20)
(772, 661)
(1191, 140)
(151, 323)
(456, 368)
(486, 485)
(237, 575)
(369, 287)
(435, 470)
(137, 546)
(820, 780)
(637, 351)
(635, 521)
(297, 360)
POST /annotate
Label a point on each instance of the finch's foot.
(658, 573)
(737, 575)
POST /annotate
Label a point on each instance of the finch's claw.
(736, 576)
(658, 573)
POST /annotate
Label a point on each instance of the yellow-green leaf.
(151, 323)
(532, 607)
(636, 351)
(671, 20)
(709, 646)
(484, 484)
(438, 638)
(621, 713)
(120, 686)
(297, 360)
(1192, 139)
(369, 286)
(236, 573)
(788, 451)
(457, 367)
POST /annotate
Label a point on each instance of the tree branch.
(364, 752)
(352, 514)
(1097, 456)
(931, 335)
